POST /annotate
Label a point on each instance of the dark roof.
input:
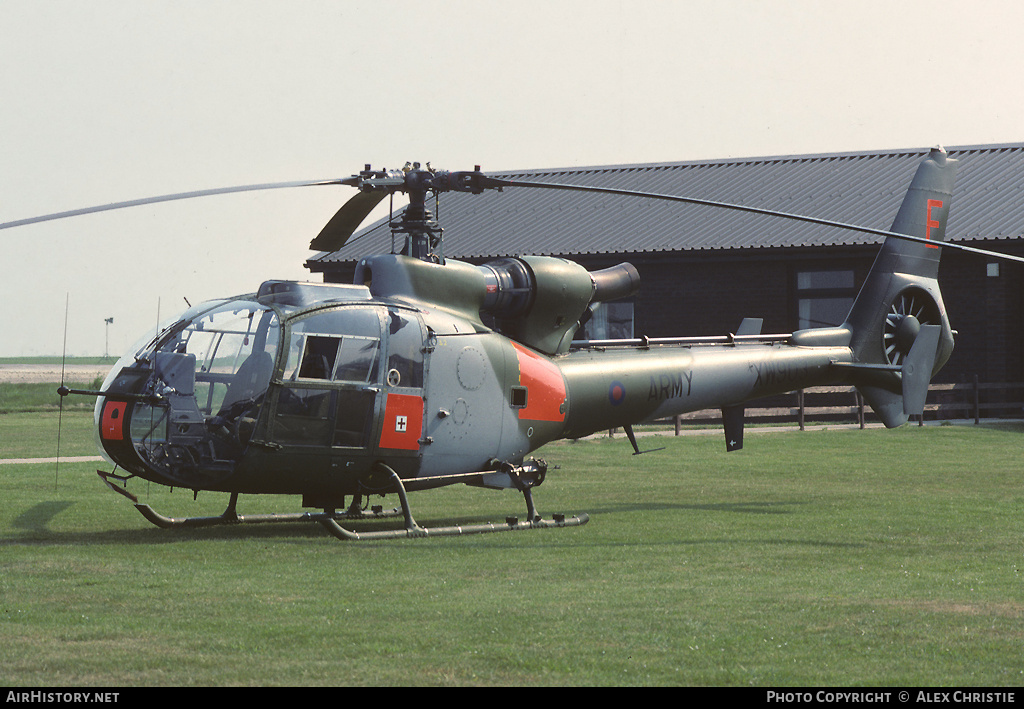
(863, 188)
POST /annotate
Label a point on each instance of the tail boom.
(896, 336)
(608, 388)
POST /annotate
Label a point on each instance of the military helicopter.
(428, 371)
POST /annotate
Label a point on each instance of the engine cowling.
(539, 300)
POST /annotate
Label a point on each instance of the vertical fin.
(750, 326)
(732, 422)
(903, 272)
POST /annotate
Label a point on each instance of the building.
(704, 269)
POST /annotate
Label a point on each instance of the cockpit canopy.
(286, 366)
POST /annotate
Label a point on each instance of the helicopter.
(428, 371)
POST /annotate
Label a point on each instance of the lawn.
(817, 558)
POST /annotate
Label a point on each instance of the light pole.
(106, 340)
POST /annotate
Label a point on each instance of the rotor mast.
(422, 233)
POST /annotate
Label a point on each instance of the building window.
(824, 298)
(611, 321)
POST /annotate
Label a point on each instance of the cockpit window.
(201, 385)
(233, 349)
(201, 390)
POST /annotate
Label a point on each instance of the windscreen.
(198, 389)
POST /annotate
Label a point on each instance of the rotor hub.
(906, 332)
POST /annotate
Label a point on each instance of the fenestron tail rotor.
(909, 311)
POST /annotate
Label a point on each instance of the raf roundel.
(616, 393)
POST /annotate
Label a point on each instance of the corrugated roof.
(863, 188)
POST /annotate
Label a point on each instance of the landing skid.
(412, 529)
(231, 516)
(329, 518)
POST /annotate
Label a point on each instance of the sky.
(114, 100)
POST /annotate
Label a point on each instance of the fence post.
(800, 405)
(679, 421)
(977, 407)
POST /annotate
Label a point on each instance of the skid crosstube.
(329, 518)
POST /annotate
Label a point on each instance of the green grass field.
(834, 558)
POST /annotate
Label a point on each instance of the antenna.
(61, 390)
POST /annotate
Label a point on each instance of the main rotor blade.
(346, 220)
(495, 182)
(172, 197)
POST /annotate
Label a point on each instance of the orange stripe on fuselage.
(545, 387)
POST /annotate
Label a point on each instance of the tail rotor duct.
(909, 311)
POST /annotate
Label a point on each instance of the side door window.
(331, 379)
(405, 351)
(402, 426)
